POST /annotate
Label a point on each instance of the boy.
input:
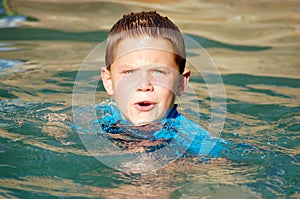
(145, 71)
(145, 59)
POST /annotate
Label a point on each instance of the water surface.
(255, 46)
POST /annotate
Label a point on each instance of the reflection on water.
(254, 45)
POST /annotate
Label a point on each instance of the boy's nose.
(144, 83)
(146, 87)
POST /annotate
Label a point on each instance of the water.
(255, 45)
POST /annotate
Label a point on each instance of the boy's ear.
(107, 82)
(183, 81)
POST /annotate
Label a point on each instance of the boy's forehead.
(128, 45)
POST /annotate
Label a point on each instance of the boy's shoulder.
(185, 123)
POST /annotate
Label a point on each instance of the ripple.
(11, 21)
(31, 186)
(7, 47)
(28, 122)
(6, 63)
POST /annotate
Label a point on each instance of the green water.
(42, 157)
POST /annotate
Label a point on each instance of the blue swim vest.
(177, 132)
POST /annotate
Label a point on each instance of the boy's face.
(144, 79)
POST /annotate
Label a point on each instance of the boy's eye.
(158, 72)
(128, 72)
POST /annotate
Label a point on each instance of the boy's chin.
(145, 119)
(141, 122)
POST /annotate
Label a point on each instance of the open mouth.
(144, 105)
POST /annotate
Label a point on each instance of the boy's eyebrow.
(120, 66)
(159, 66)
(144, 66)
(125, 66)
(153, 66)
